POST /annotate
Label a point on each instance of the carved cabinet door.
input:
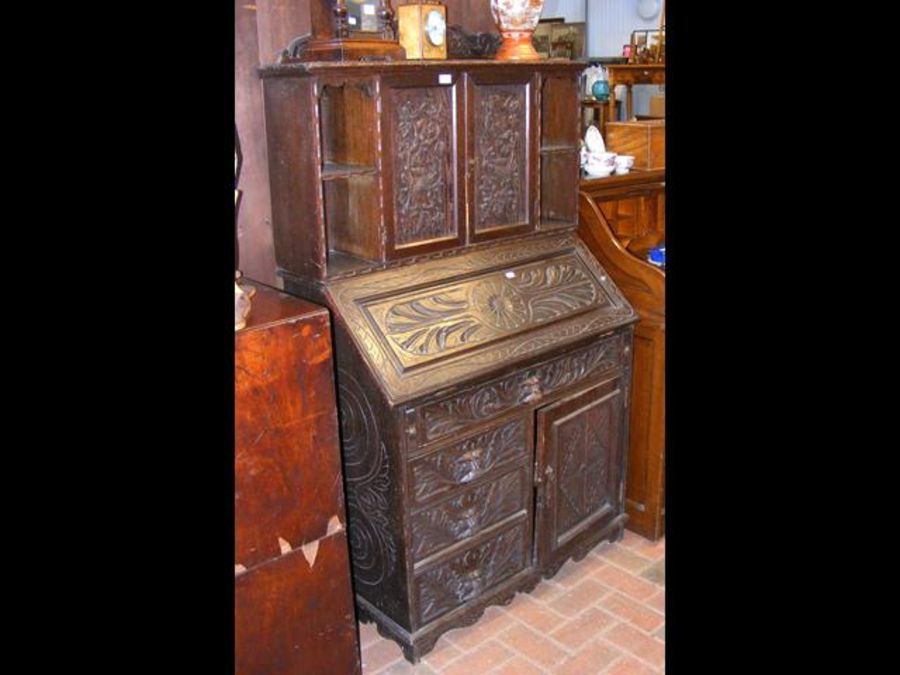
(501, 154)
(423, 191)
(579, 469)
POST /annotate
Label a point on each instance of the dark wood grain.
(293, 617)
(293, 603)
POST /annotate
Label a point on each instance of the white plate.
(593, 140)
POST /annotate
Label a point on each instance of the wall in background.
(570, 10)
(610, 23)
(609, 26)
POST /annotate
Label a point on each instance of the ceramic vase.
(600, 90)
(516, 20)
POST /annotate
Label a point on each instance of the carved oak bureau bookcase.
(483, 354)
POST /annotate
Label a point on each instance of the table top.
(270, 306)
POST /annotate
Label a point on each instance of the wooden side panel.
(644, 286)
(644, 499)
(560, 111)
(294, 168)
(352, 212)
(559, 194)
(296, 616)
(373, 465)
(293, 599)
(285, 423)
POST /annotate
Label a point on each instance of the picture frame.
(541, 38)
(648, 46)
(567, 40)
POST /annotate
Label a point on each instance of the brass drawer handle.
(532, 387)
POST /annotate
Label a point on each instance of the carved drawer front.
(468, 513)
(526, 387)
(442, 471)
(472, 572)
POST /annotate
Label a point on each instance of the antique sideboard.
(622, 217)
(483, 355)
(293, 601)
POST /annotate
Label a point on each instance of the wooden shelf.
(342, 263)
(559, 147)
(331, 170)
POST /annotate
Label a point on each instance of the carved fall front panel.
(421, 326)
(501, 158)
(423, 173)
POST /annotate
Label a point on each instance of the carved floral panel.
(501, 157)
(423, 173)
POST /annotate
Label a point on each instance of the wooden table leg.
(610, 108)
(629, 101)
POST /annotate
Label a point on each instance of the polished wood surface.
(293, 602)
(465, 308)
(620, 241)
(645, 140)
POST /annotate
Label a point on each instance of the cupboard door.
(579, 469)
(423, 190)
(501, 151)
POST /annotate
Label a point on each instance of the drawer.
(527, 386)
(468, 513)
(472, 572)
(443, 470)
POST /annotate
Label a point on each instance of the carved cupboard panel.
(580, 447)
(500, 119)
(423, 184)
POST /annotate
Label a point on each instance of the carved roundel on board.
(500, 304)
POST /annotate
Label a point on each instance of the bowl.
(598, 170)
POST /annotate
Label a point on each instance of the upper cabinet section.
(372, 163)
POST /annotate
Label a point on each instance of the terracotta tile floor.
(604, 614)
